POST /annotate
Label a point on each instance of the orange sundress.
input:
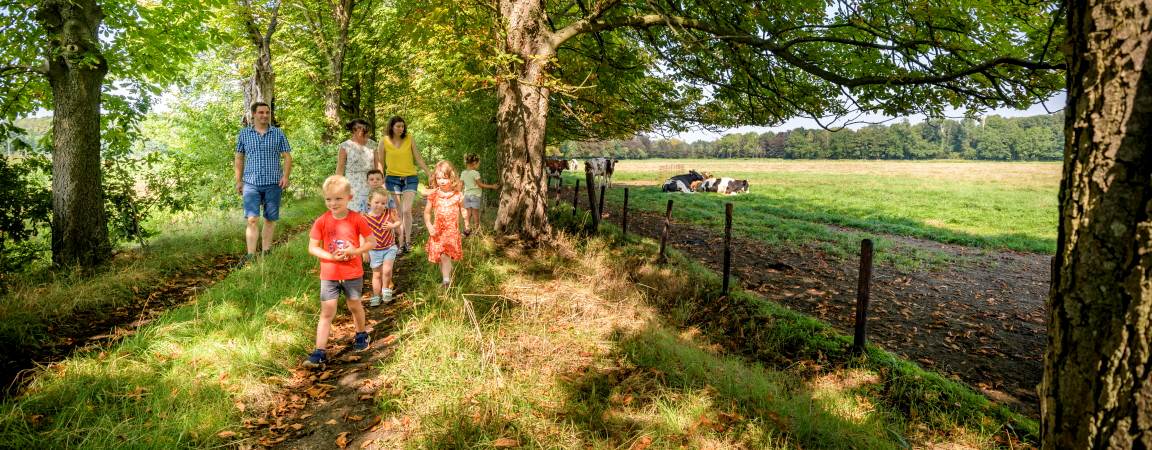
(445, 238)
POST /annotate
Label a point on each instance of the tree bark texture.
(76, 70)
(1097, 388)
(342, 14)
(261, 87)
(521, 115)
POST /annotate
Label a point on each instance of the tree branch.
(19, 68)
(781, 51)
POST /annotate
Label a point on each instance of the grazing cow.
(602, 169)
(729, 186)
(683, 183)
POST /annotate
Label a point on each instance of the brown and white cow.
(554, 168)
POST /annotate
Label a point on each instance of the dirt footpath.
(981, 322)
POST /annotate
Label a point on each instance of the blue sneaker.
(316, 359)
(362, 341)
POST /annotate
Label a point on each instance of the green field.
(992, 205)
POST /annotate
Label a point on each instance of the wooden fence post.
(575, 197)
(664, 234)
(588, 178)
(624, 216)
(601, 203)
(727, 245)
(862, 288)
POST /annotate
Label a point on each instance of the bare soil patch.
(981, 323)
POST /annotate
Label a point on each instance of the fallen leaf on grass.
(641, 443)
(505, 443)
(351, 358)
(355, 418)
(365, 396)
(388, 340)
(297, 426)
(330, 422)
(226, 434)
(342, 440)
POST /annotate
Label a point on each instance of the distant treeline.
(1035, 138)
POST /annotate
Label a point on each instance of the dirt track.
(982, 323)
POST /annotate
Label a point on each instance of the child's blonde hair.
(335, 182)
(381, 192)
(445, 167)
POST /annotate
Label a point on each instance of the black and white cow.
(601, 170)
(729, 186)
(683, 183)
(724, 185)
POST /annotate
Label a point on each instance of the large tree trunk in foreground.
(1097, 389)
(76, 70)
(521, 117)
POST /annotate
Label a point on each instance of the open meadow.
(992, 205)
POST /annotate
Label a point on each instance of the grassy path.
(45, 319)
(586, 344)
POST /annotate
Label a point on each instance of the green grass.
(586, 345)
(39, 302)
(979, 204)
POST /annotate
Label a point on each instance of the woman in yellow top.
(398, 152)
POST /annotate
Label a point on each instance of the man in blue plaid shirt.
(259, 177)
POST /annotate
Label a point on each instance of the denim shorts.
(266, 196)
(472, 201)
(401, 184)
(378, 257)
(330, 289)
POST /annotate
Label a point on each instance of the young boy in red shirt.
(333, 239)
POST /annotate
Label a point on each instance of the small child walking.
(381, 219)
(447, 203)
(333, 239)
(473, 195)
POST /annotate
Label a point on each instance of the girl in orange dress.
(447, 203)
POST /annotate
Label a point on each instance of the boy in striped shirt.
(381, 220)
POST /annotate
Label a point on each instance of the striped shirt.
(384, 237)
(262, 154)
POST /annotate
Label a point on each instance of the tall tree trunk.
(76, 70)
(261, 87)
(370, 97)
(342, 13)
(521, 117)
(1097, 388)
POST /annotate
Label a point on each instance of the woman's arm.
(380, 156)
(341, 159)
(420, 162)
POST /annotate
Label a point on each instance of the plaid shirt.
(262, 154)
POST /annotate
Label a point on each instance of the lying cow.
(601, 169)
(724, 185)
(685, 183)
